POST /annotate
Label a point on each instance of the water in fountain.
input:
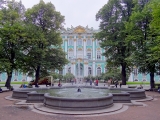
(72, 92)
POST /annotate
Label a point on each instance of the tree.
(114, 74)
(141, 38)
(43, 52)
(69, 76)
(11, 34)
(156, 28)
(112, 33)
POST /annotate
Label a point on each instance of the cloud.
(76, 12)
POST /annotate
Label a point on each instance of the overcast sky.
(76, 12)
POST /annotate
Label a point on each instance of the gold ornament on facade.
(80, 59)
(70, 37)
(79, 29)
(80, 49)
(70, 49)
(84, 40)
(75, 40)
(89, 49)
(98, 49)
(79, 36)
(93, 39)
(85, 62)
(99, 65)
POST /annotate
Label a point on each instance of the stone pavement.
(149, 112)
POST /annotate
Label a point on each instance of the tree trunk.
(152, 80)
(8, 82)
(123, 74)
(37, 74)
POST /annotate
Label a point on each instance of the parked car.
(43, 81)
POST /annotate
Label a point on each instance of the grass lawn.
(20, 82)
(137, 83)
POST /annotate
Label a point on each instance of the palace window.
(89, 55)
(70, 55)
(79, 42)
(69, 70)
(70, 42)
(135, 71)
(16, 73)
(98, 71)
(89, 42)
(98, 55)
(61, 72)
(98, 43)
(89, 71)
(106, 69)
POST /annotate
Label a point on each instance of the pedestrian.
(90, 81)
(75, 80)
(120, 84)
(36, 85)
(116, 83)
(0, 90)
(97, 82)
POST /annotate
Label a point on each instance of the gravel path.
(10, 112)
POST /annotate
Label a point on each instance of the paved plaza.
(10, 111)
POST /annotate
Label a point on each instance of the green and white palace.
(85, 56)
(83, 52)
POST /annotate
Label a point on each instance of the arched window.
(79, 53)
(89, 42)
(98, 71)
(69, 70)
(79, 42)
(89, 54)
(70, 42)
(70, 54)
(61, 72)
(105, 69)
(98, 55)
(135, 71)
(89, 71)
(98, 43)
(16, 73)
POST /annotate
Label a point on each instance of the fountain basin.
(91, 98)
(34, 97)
(78, 104)
(134, 94)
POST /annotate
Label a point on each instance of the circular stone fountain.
(90, 98)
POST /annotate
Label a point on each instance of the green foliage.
(155, 27)
(141, 39)
(114, 74)
(113, 16)
(69, 76)
(11, 33)
(43, 52)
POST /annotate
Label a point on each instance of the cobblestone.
(149, 112)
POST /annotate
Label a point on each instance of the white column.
(84, 49)
(93, 47)
(65, 69)
(79, 69)
(94, 69)
(85, 69)
(65, 47)
(75, 48)
(72, 68)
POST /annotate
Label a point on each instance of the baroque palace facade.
(85, 56)
(83, 52)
